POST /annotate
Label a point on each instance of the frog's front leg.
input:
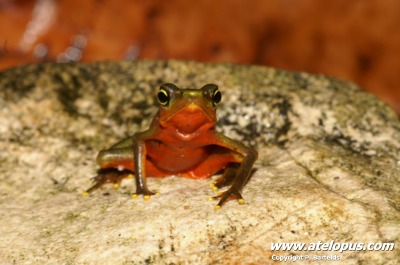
(249, 156)
(121, 160)
(139, 153)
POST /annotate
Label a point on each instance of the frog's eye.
(216, 97)
(163, 97)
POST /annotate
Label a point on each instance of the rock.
(328, 168)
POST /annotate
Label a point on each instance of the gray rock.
(328, 168)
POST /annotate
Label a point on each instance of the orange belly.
(205, 168)
(181, 159)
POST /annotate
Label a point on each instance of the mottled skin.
(182, 141)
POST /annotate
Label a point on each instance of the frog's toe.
(145, 192)
(213, 187)
(97, 185)
(230, 194)
(105, 176)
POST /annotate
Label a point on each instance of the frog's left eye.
(216, 97)
(163, 97)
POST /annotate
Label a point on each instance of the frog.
(182, 141)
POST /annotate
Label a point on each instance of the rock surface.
(328, 168)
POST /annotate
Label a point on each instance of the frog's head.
(188, 110)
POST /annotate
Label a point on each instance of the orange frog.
(181, 141)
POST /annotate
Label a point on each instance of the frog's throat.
(189, 119)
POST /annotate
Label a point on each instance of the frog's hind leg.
(116, 164)
(227, 177)
(108, 175)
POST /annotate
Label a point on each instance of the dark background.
(356, 40)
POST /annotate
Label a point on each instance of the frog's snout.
(193, 107)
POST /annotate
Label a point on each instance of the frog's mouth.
(189, 120)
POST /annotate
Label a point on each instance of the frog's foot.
(230, 194)
(105, 176)
(145, 192)
(225, 180)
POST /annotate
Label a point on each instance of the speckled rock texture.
(328, 168)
